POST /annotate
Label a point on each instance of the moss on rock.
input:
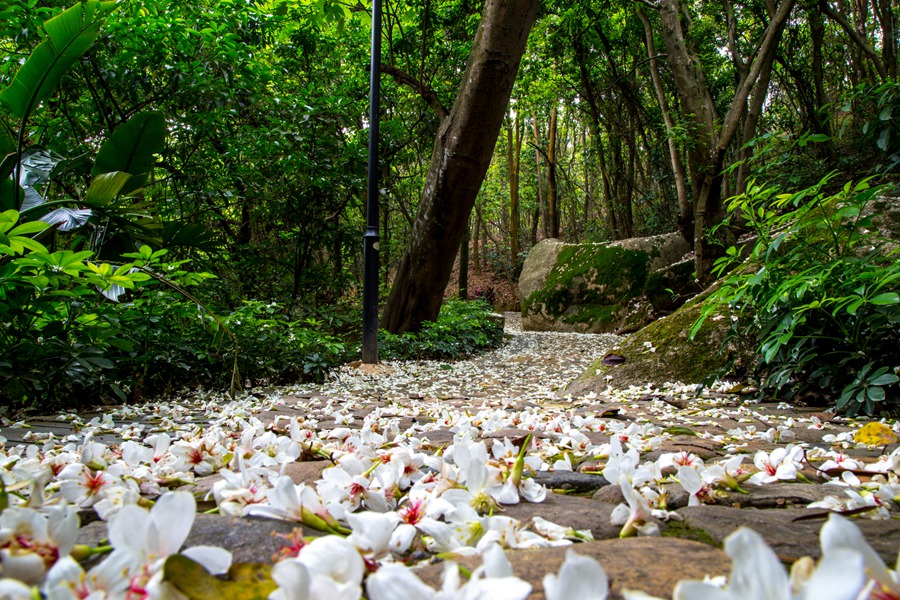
(663, 351)
(589, 288)
(593, 288)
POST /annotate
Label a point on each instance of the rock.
(592, 287)
(307, 472)
(652, 565)
(777, 495)
(663, 351)
(666, 289)
(249, 539)
(497, 319)
(569, 511)
(579, 483)
(790, 539)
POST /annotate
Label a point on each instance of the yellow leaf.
(247, 581)
(875, 434)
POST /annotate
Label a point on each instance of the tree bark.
(514, 154)
(685, 214)
(552, 191)
(462, 152)
(706, 158)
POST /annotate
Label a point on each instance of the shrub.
(462, 329)
(65, 344)
(819, 292)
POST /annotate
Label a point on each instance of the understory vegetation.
(816, 288)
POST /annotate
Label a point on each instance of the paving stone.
(569, 511)
(249, 539)
(789, 538)
(777, 495)
(652, 565)
(573, 481)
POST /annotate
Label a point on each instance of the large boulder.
(664, 352)
(592, 288)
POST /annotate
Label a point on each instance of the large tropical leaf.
(132, 148)
(67, 219)
(37, 165)
(69, 35)
(105, 188)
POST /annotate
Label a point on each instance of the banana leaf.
(132, 148)
(69, 35)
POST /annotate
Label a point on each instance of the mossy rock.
(663, 352)
(592, 288)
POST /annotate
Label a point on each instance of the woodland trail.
(505, 398)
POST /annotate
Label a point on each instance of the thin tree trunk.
(685, 214)
(552, 191)
(514, 154)
(464, 265)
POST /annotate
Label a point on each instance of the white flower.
(31, 542)
(491, 581)
(780, 465)
(580, 578)
(839, 533)
(335, 568)
(634, 517)
(757, 574)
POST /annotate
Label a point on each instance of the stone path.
(518, 390)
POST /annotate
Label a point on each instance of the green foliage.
(462, 329)
(63, 343)
(819, 291)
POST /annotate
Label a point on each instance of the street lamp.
(370, 238)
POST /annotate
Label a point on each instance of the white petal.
(839, 576)
(214, 559)
(173, 516)
(396, 582)
(293, 581)
(333, 557)
(756, 572)
(698, 590)
(839, 532)
(580, 578)
(495, 562)
(372, 531)
(690, 480)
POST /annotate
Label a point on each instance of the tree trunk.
(706, 158)
(464, 265)
(514, 154)
(685, 214)
(552, 191)
(462, 153)
(476, 245)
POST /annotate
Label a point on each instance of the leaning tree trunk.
(462, 152)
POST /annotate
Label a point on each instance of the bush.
(63, 343)
(819, 292)
(462, 329)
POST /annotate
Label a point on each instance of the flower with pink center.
(81, 485)
(780, 465)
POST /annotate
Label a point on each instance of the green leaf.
(28, 228)
(69, 35)
(105, 187)
(132, 148)
(245, 581)
(876, 394)
(885, 299)
(886, 379)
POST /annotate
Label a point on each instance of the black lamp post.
(370, 238)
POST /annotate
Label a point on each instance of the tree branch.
(427, 94)
(854, 35)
